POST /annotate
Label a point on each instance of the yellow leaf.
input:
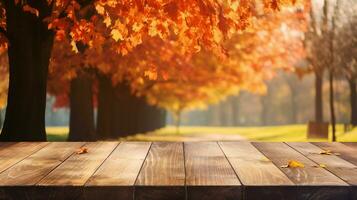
(293, 164)
(320, 165)
(116, 35)
(265, 159)
(107, 21)
(325, 152)
(74, 46)
(100, 9)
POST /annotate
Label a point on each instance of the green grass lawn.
(267, 133)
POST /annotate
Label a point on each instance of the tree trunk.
(294, 104)
(235, 110)
(353, 101)
(223, 117)
(332, 107)
(81, 125)
(265, 112)
(0, 118)
(120, 113)
(30, 45)
(318, 97)
(106, 102)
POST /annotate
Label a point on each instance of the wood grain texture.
(13, 152)
(312, 182)
(346, 152)
(351, 144)
(208, 173)
(163, 174)
(122, 166)
(251, 166)
(78, 168)
(338, 166)
(280, 154)
(32, 169)
(260, 177)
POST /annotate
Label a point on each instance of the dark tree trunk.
(1, 119)
(120, 113)
(353, 101)
(318, 97)
(332, 107)
(30, 45)
(81, 125)
(106, 103)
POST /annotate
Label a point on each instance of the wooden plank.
(117, 175)
(163, 174)
(78, 168)
(351, 144)
(317, 183)
(346, 152)
(338, 166)
(13, 152)
(257, 173)
(208, 173)
(32, 169)
(251, 166)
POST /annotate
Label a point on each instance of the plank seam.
(25, 157)
(85, 183)
(184, 167)
(325, 168)
(141, 167)
(55, 167)
(230, 164)
(295, 184)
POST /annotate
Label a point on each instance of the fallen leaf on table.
(293, 164)
(265, 159)
(82, 150)
(325, 152)
(329, 152)
(320, 165)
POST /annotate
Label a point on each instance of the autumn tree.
(314, 41)
(30, 27)
(345, 40)
(196, 81)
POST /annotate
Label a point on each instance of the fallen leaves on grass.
(293, 164)
(82, 150)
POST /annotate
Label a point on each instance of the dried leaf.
(325, 152)
(27, 8)
(320, 165)
(265, 159)
(293, 164)
(82, 150)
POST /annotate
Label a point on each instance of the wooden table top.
(176, 170)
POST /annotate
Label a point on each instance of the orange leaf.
(27, 8)
(82, 150)
(293, 164)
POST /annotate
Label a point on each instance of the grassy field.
(268, 133)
